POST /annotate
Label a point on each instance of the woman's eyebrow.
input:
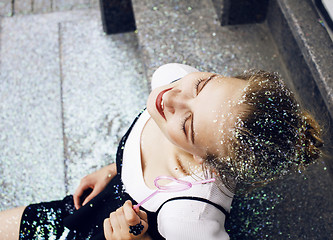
(207, 81)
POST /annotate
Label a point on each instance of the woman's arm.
(93, 184)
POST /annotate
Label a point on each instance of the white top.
(179, 219)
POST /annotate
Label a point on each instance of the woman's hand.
(95, 182)
(117, 227)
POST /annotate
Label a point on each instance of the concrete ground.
(68, 92)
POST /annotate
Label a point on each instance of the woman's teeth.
(162, 105)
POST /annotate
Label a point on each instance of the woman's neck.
(185, 162)
(161, 157)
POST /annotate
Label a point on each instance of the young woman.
(242, 131)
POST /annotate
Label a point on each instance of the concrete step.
(30, 126)
(6, 8)
(189, 32)
(306, 48)
(19, 7)
(302, 40)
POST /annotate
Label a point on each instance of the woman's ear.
(198, 159)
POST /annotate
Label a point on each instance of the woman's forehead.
(219, 111)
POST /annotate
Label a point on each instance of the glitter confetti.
(280, 210)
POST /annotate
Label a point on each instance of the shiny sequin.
(44, 220)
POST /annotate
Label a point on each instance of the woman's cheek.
(178, 139)
(174, 135)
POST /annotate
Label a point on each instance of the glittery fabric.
(56, 219)
(59, 219)
(45, 220)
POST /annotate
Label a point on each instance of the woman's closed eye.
(184, 125)
(198, 82)
(199, 85)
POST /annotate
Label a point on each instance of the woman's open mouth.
(159, 102)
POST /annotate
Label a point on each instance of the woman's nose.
(174, 100)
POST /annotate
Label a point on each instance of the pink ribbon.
(180, 186)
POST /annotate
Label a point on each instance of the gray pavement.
(68, 93)
(19, 7)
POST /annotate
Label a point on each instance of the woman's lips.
(158, 102)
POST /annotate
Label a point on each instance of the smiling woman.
(191, 104)
(213, 133)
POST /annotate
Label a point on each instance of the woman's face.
(195, 111)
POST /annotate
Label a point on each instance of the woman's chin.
(150, 104)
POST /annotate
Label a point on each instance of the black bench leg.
(117, 16)
(231, 12)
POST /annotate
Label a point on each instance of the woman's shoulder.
(169, 72)
(202, 201)
(191, 219)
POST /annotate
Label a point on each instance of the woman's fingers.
(130, 215)
(77, 203)
(114, 221)
(125, 223)
(95, 182)
(77, 196)
(81, 193)
(108, 231)
(93, 194)
(136, 219)
(143, 215)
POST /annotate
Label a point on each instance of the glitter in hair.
(271, 134)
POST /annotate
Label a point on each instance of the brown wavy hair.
(271, 137)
